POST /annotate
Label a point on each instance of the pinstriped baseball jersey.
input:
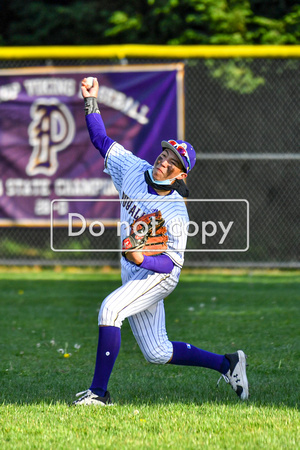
(127, 172)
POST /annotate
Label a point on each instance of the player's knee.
(109, 317)
(158, 355)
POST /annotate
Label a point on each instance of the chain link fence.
(243, 118)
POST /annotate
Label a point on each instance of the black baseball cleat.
(236, 375)
(89, 398)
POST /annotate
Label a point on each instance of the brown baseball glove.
(147, 233)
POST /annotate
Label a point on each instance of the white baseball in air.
(89, 82)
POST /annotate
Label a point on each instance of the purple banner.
(45, 150)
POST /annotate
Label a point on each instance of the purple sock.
(188, 355)
(108, 349)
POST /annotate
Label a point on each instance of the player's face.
(167, 165)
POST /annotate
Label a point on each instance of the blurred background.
(240, 110)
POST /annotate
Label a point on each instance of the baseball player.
(148, 278)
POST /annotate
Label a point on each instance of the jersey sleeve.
(97, 133)
(118, 162)
(177, 240)
(158, 263)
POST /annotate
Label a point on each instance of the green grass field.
(48, 346)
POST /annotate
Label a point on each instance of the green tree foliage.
(91, 22)
(235, 75)
(50, 22)
(274, 9)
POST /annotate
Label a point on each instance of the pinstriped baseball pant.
(140, 299)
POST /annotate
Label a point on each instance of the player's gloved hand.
(148, 234)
